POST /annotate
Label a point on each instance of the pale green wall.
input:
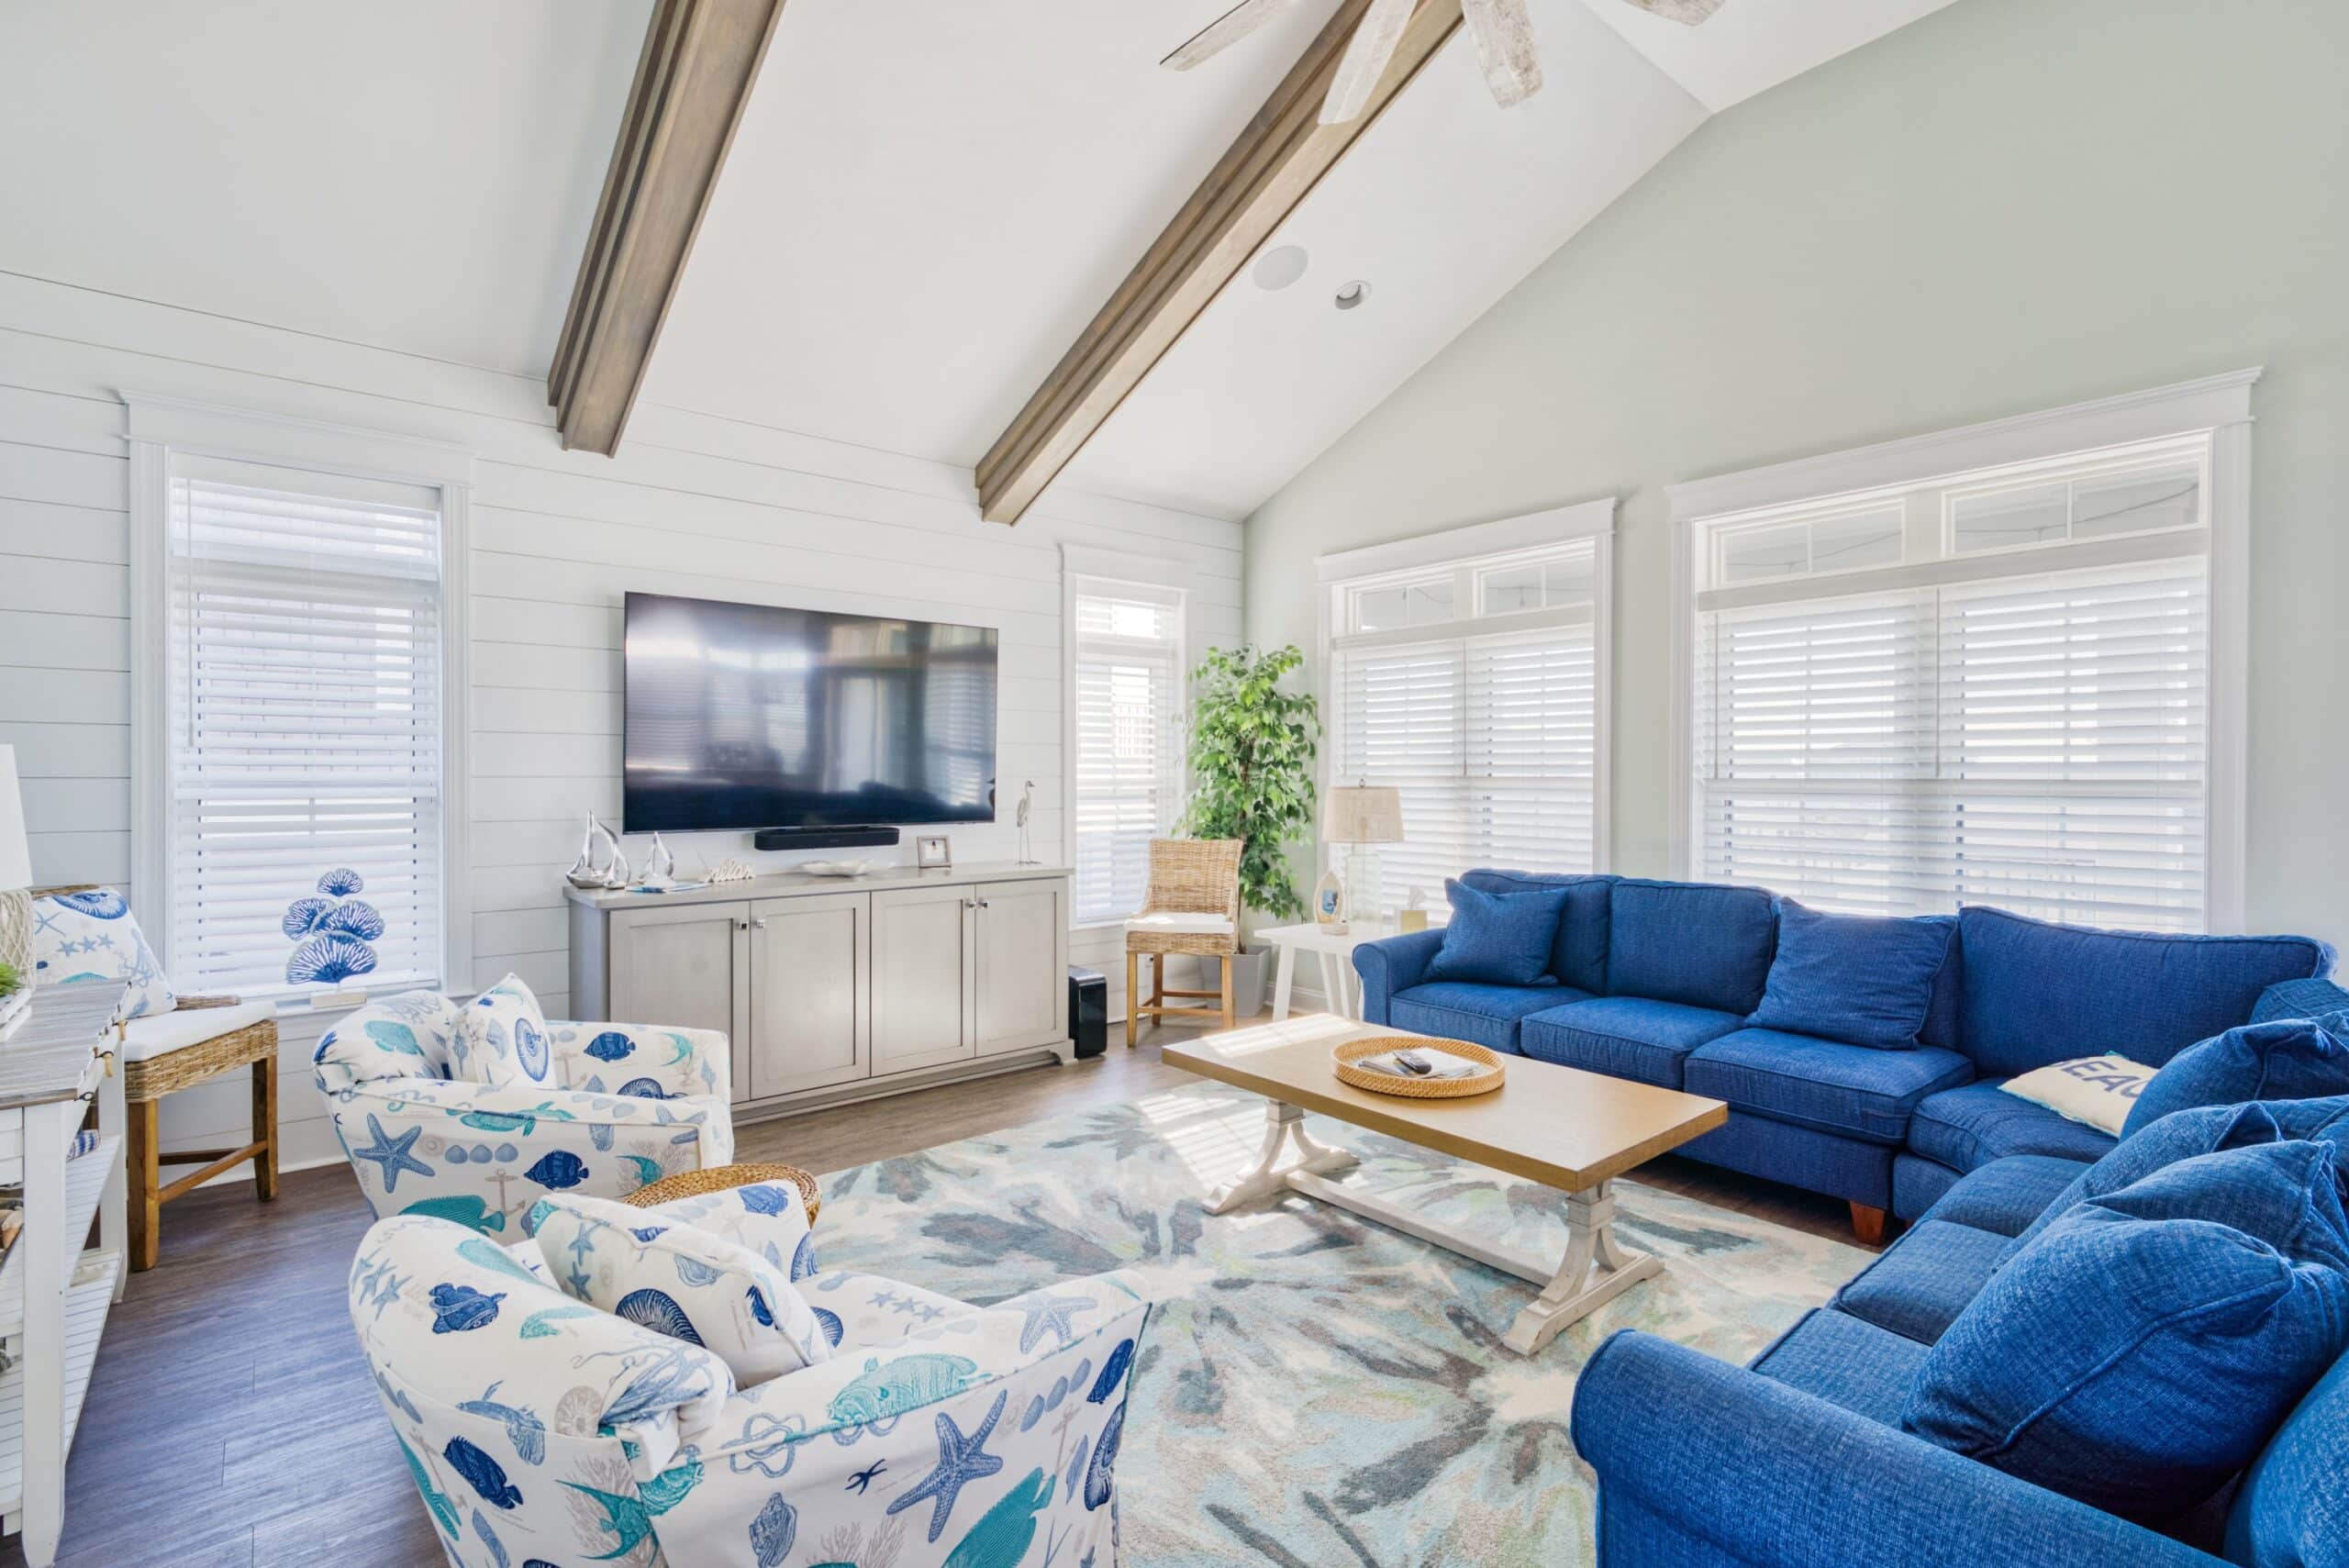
(2011, 204)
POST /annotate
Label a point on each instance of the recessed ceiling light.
(1279, 267)
(1353, 294)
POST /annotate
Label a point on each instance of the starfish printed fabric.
(503, 1037)
(538, 1427)
(670, 1275)
(484, 1155)
(94, 936)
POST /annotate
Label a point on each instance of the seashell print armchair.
(538, 1428)
(595, 1109)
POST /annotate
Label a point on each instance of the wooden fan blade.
(1367, 53)
(1504, 35)
(1223, 32)
(1689, 13)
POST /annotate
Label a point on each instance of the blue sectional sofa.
(1655, 980)
(1802, 1458)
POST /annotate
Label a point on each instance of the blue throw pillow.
(1853, 978)
(1500, 938)
(2204, 1129)
(2291, 1059)
(2145, 1346)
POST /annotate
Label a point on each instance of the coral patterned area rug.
(1314, 1388)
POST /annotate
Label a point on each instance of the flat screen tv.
(758, 716)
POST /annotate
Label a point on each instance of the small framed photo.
(933, 851)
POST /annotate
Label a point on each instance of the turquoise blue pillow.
(2204, 1129)
(2291, 1059)
(1500, 938)
(2144, 1347)
(1859, 979)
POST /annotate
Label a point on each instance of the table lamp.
(16, 875)
(1362, 817)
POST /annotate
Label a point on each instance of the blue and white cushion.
(412, 1035)
(94, 936)
(505, 1039)
(677, 1279)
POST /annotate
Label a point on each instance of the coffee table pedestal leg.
(1284, 1124)
(1596, 1270)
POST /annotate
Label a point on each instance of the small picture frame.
(1330, 905)
(933, 851)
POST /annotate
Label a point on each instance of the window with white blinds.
(306, 754)
(1126, 699)
(1486, 722)
(2003, 703)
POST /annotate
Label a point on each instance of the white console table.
(835, 988)
(54, 1294)
(1341, 987)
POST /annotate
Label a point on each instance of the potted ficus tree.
(1252, 745)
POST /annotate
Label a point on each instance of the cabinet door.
(808, 959)
(921, 977)
(1021, 963)
(687, 967)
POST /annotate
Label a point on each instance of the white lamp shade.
(16, 855)
(1363, 814)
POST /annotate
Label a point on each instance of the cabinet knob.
(983, 904)
(760, 924)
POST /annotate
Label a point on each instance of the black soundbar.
(822, 838)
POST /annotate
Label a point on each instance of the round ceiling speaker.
(1353, 294)
(1279, 267)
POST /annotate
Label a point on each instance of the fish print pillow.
(504, 1038)
(94, 936)
(681, 1281)
(412, 1035)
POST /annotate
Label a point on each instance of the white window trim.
(1159, 574)
(2219, 405)
(159, 426)
(1593, 520)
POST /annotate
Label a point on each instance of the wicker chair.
(202, 1039)
(1192, 907)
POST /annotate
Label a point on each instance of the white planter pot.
(1249, 971)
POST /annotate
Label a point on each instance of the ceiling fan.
(1503, 33)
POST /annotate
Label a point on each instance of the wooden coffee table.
(1559, 1126)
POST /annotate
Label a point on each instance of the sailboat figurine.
(591, 871)
(660, 865)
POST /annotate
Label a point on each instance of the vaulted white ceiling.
(926, 202)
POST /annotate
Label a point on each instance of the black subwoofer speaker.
(1088, 1010)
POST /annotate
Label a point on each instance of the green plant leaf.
(1251, 751)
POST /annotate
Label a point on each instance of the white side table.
(1339, 981)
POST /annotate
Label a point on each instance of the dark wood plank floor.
(232, 1423)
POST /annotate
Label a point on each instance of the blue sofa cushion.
(2291, 1059)
(2007, 1196)
(1853, 978)
(2187, 1135)
(2034, 993)
(1488, 1015)
(1700, 944)
(1624, 1037)
(1579, 958)
(2319, 999)
(1918, 1289)
(1846, 1089)
(1967, 1127)
(2292, 1509)
(2144, 1347)
(1865, 1369)
(1499, 938)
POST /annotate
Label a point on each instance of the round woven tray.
(1343, 1057)
(726, 1178)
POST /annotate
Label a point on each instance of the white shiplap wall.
(693, 505)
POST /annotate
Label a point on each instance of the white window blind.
(1127, 700)
(306, 743)
(2029, 730)
(1490, 732)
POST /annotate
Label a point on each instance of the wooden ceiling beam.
(700, 60)
(1280, 157)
